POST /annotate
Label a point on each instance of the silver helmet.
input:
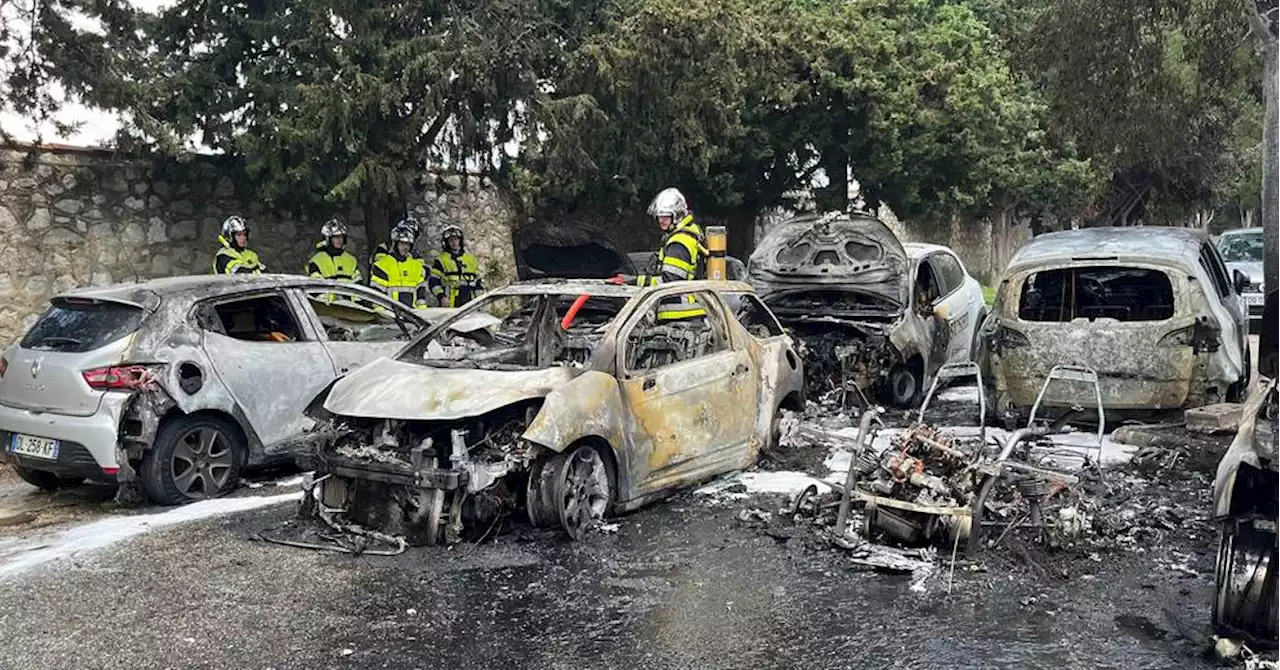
(333, 228)
(451, 231)
(670, 202)
(233, 224)
(404, 232)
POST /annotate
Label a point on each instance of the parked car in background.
(1241, 250)
(578, 402)
(1153, 310)
(871, 311)
(181, 382)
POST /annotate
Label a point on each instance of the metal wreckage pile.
(910, 493)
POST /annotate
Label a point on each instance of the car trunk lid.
(45, 371)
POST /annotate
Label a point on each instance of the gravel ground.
(682, 584)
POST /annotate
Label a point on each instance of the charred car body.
(181, 382)
(1152, 310)
(578, 402)
(872, 312)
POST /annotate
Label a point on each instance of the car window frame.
(305, 301)
(650, 305)
(941, 273)
(1222, 284)
(306, 329)
(751, 295)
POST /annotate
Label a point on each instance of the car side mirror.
(1241, 281)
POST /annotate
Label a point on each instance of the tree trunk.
(835, 197)
(1269, 346)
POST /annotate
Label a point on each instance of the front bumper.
(1253, 305)
(87, 444)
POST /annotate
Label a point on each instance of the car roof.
(602, 287)
(920, 249)
(1256, 230)
(195, 287)
(1158, 243)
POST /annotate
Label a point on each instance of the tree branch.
(1258, 25)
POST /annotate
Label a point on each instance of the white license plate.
(36, 447)
(1252, 299)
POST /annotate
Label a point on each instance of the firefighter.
(455, 274)
(682, 255)
(235, 256)
(398, 271)
(332, 260)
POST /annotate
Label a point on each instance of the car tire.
(211, 445)
(1247, 606)
(902, 386)
(581, 489)
(46, 480)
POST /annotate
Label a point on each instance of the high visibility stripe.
(679, 264)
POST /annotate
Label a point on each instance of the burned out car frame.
(871, 311)
(1152, 310)
(578, 402)
(178, 383)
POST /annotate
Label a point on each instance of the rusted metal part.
(1191, 356)
(869, 416)
(651, 424)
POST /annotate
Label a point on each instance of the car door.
(356, 327)
(266, 357)
(955, 307)
(690, 418)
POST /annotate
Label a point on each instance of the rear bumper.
(87, 444)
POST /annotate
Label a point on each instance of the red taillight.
(118, 378)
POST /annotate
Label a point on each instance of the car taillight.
(119, 378)
(1202, 336)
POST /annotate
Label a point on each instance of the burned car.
(579, 402)
(1152, 310)
(181, 382)
(873, 314)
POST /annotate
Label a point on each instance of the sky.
(99, 127)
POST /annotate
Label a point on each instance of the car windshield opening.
(1113, 292)
(527, 332)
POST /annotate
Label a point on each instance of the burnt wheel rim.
(202, 462)
(903, 385)
(584, 492)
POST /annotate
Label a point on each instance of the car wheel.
(46, 480)
(1245, 598)
(581, 490)
(193, 458)
(902, 387)
(977, 330)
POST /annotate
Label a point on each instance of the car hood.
(567, 251)
(391, 389)
(854, 250)
(1251, 268)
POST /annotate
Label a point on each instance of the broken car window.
(753, 315)
(78, 325)
(259, 319)
(927, 289)
(949, 272)
(655, 342)
(350, 317)
(1217, 272)
(530, 333)
(1124, 294)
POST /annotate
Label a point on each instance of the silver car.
(179, 383)
(1242, 250)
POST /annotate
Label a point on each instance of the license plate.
(36, 447)
(1253, 299)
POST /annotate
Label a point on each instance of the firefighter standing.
(455, 274)
(682, 255)
(397, 270)
(235, 256)
(332, 260)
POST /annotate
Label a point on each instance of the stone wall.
(74, 217)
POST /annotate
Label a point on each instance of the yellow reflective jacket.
(455, 280)
(403, 279)
(229, 261)
(343, 267)
(681, 257)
